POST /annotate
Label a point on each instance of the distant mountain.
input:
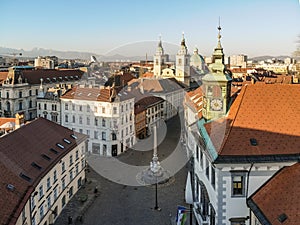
(48, 52)
(35, 52)
(265, 57)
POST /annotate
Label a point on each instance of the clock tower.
(216, 86)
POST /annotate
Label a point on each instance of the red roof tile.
(268, 113)
(18, 150)
(280, 194)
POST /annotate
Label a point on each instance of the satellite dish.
(93, 59)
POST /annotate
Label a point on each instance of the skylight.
(60, 145)
(253, 142)
(67, 141)
(73, 136)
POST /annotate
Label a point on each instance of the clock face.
(216, 104)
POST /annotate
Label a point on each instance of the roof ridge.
(230, 127)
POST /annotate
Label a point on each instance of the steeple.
(183, 40)
(219, 35)
(159, 50)
(217, 65)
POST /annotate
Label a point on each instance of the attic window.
(36, 166)
(25, 177)
(73, 136)
(46, 157)
(89, 94)
(67, 141)
(253, 142)
(10, 187)
(60, 145)
(71, 77)
(54, 151)
(77, 77)
(282, 217)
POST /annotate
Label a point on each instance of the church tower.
(159, 60)
(216, 86)
(183, 63)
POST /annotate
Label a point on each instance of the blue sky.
(257, 27)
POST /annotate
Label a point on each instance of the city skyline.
(248, 27)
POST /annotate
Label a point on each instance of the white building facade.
(109, 122)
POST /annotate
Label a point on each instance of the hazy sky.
(256, 27)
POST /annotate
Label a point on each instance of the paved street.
(124, 204)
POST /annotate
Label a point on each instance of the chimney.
(19, 121)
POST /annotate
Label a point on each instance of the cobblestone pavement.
(117, 204)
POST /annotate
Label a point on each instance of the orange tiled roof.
(195, 99)
(18, 150)
(148, 75)
(3, 76)
(267, 113)
(4, 120)
(281, 194)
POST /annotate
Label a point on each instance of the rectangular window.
(88, 108)
(238, 184)
(71, 175)
(48, 183)
(88, 133)
(54, 176)
(213, 177)
(207, 168)
(66, 118)
(49, 201)
(71, 160)
(77, 169)
(66, 106)
(95, 134)
(197, 153)
(96, 122)
(33, 222)
(103, 110)
(76, 154)
(45, 106)
(41, 191)
(103, 122)
(55, 193)
(103, 136)
(63, 183)
(88, 121)
(201, 159)
(63, 167)
(32, 203)
(115, 110)
(41, 212)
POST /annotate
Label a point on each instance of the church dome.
(197, 60)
